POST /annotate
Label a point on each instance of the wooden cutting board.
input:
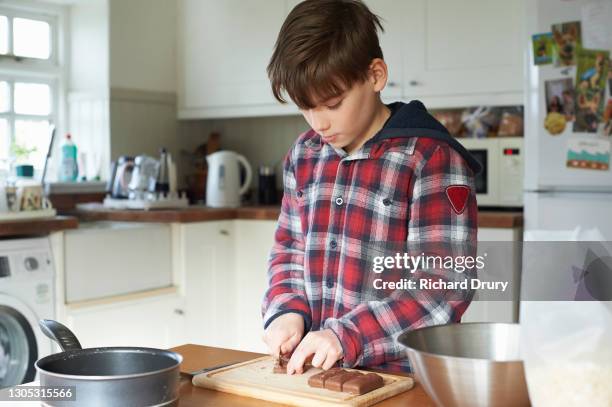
(254, 378)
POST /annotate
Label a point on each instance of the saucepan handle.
(60, 334)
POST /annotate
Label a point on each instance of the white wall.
(143, 45)
(89, 53)
(122, 95)
(88, 85)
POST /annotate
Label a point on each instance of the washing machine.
(26, 296)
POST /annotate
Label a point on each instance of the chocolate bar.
(318, 380)
(362, 384)
(335, 382)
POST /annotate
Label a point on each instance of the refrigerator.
(563, 201)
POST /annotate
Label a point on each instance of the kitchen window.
(29, 83)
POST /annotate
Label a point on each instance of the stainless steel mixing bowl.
(471, 364)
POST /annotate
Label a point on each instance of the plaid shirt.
(393, 190)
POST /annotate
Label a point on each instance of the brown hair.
(323, 48)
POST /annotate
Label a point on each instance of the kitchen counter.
(97, 212)
(198, 357)
(39, 226)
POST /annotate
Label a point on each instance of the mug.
(32, 198)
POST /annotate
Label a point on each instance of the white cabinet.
(225, 278)
(209, 283)
(223, 51)
(401, 32)
(471, 46)
(447, 53)
(156, 321)
(104, 259)
(453, 53)
(497, 243)
(254, 240)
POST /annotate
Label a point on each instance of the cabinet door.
(254, 239)
(470, 47)
(507, 268)
(156, 322)
(209, 285)
(224, 49)
(401, 25)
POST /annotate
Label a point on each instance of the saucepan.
(110, 376)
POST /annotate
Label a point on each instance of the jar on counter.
(267, 186)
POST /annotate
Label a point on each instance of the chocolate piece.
(363, 384)
(280, 363)
(279, 366)
(335, 382)
(318, 380)
(279, 369)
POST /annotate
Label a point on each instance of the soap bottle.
(68, 170)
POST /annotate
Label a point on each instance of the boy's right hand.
(284, 333)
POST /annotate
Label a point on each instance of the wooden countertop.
(197, 357)
(41, 226)
(500, 219)
(97, 212)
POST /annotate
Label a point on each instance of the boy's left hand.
(325, 347)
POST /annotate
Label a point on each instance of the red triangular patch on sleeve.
(458, 196)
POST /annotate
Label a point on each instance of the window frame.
(49, 18)
(12, 116)
(51, 71)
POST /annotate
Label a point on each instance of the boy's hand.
(325, 347)
(284, 333)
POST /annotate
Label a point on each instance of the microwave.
(500, 183)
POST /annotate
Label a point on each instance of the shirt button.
(330, 283)
(346, 163)
(299, 194)
(339, 201)
(386, 201)
(333, 244)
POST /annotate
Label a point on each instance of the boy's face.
(345, 121)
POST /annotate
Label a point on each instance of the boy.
(365, 172)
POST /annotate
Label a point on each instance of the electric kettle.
(223, 189)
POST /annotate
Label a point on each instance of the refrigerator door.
(545, 154)
(568, 216)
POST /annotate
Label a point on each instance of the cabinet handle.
(224, 232)
(393, 84)
(414, 83)
(179, 311)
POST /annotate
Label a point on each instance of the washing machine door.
(18, 346)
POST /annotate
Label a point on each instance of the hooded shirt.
(408, 190)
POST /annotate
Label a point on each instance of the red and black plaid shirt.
(393, 190)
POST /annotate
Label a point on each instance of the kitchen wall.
(263, 140)
(122, 92)
(142, 35)
(122, 89)
(88, 82)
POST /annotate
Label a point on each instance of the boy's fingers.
(319, 359)
(290, 344)
(330, 361)
(303, 350)
(273, 341)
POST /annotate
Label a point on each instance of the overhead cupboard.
(445, 52)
